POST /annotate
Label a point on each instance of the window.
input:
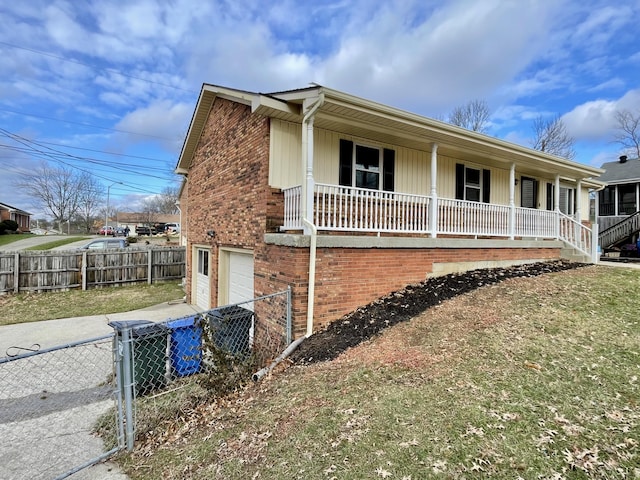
(360, 166)
(473, 184)
(203, 262)
(626, 199)
(567, 199)
(607, 201)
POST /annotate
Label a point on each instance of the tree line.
(75, 197)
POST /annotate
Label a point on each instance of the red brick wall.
(347, 278)
(228, 184)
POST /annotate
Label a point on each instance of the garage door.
(240, 277)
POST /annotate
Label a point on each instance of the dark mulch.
(367, 321)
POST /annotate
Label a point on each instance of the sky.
(109, 87)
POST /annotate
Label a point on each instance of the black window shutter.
(388, 169)
(459, 181)
(486, 186)
(346, 162)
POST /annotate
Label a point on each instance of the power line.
(82, 124)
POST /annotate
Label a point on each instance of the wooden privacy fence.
(32, 271)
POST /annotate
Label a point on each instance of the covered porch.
(347, 209)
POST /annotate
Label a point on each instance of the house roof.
(339, 111)
(4, 206)
(621, 172)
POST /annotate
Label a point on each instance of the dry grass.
(33, 307)
(531, 378)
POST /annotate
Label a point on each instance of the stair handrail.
(624, 228)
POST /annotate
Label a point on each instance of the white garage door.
(240, 277)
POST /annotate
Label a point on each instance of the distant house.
(618, 204)
(139, 219)
(22, 218)
(344, 200)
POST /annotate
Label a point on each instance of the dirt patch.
(402, 305)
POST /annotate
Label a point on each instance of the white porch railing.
(363, 210)
(338, 208)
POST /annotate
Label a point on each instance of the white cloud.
(163, 120)
(595, 120)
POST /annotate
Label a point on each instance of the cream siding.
(285, 154)
(412, 168)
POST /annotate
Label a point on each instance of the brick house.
(345, 200)
(22, 218)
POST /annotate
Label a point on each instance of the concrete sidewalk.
(45, 334)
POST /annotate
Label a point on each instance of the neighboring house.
(618, 204)
(345, 200)
(136, 219)
(22, 218)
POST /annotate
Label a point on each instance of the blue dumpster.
(185, 349)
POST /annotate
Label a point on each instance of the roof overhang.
(366, 119)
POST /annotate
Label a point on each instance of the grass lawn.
(8, 239)
(532, 378)
(57, 243)
(33, 307)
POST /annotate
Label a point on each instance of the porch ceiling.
(420, 133)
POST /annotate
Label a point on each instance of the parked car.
(143, 230)
(104, 243)
(121, 232)
(106, 230)
(172, 228)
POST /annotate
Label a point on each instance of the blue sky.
(110, 86)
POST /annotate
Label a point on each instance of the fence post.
(149, 265)
(83, 270)
(16, 272)
(128, 386)
(595, 258)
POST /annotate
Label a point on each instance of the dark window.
(607, 201)
(360, 166)
(473, 184)
(626, 199)
(529, 192)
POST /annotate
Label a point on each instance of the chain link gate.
(50, 404)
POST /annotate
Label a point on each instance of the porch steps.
(573, 255)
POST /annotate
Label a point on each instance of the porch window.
(362, 166)
(626, 199)
(567, 199)
(607, 201)
(473, 184)
(529, 192)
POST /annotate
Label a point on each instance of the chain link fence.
(161, 366)
(65, 408)
(50, 401)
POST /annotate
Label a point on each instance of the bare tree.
(89, 201)
(55, 190)
(628, 131)
(163, 203)
(474, 116)
(550, 136)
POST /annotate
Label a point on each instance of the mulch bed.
(366, 322)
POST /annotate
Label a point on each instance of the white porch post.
(310, 182)
(615, 201)
(556, 204)
(433, 214)
(512, 201)
(579, 201)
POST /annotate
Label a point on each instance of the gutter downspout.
(307, 158)
(307, 196)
